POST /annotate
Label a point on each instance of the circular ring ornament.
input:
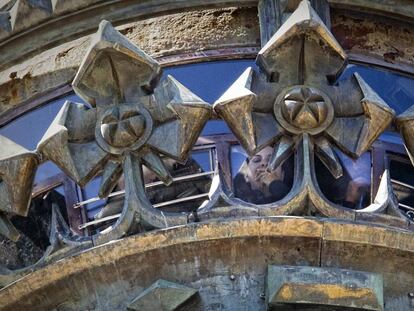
(303, 109)
(123, 128)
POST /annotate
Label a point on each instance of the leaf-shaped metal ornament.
(293, 104)
(133, 120)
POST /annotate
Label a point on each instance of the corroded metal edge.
(332, 231)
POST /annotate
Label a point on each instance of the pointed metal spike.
(236, 107)
(138, 69)
(155, 164)
(176, 137)
(5, 25)
(26, 13)
(328, 156)
(289, 47)
(61, 228)
(405, 124)
(81, 161)
(378, 116)
(385, 189)
(267, 130)
(240, 88)
(17, 170)
(179, 94)
(53, 234)
(110, 176)
(7, 229)
(281, 152)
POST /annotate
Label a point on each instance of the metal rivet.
(411, 295)
(262, 296)
(232, 277)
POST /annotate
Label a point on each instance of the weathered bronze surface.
(132, 119)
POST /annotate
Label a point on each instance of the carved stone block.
(163, 296)
(298, 287)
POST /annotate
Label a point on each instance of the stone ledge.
(292, 240)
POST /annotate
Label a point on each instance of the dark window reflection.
(402, 178)
(194, 186)
(34, 231)
(352, 190)
(253, 183)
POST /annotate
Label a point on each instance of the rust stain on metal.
(329, 291)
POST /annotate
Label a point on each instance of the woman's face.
(257, 175)
(257, 165)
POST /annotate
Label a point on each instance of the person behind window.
(352, 189)
(254, 184)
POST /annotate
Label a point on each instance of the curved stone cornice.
(55, 21)
(53, 27)
(115, 273)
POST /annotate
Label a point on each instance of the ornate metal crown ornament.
(293, 104)
(130, 119)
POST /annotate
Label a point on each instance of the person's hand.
(266, 178)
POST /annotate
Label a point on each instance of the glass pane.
(29, 129)
(396, 90)
(45, 170)
(352, 189)
(252, 183)
(209, 81)
(402, 178)
(91, 191)
(391, 137)
(215, 127)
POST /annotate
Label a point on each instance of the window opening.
(252, 182)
